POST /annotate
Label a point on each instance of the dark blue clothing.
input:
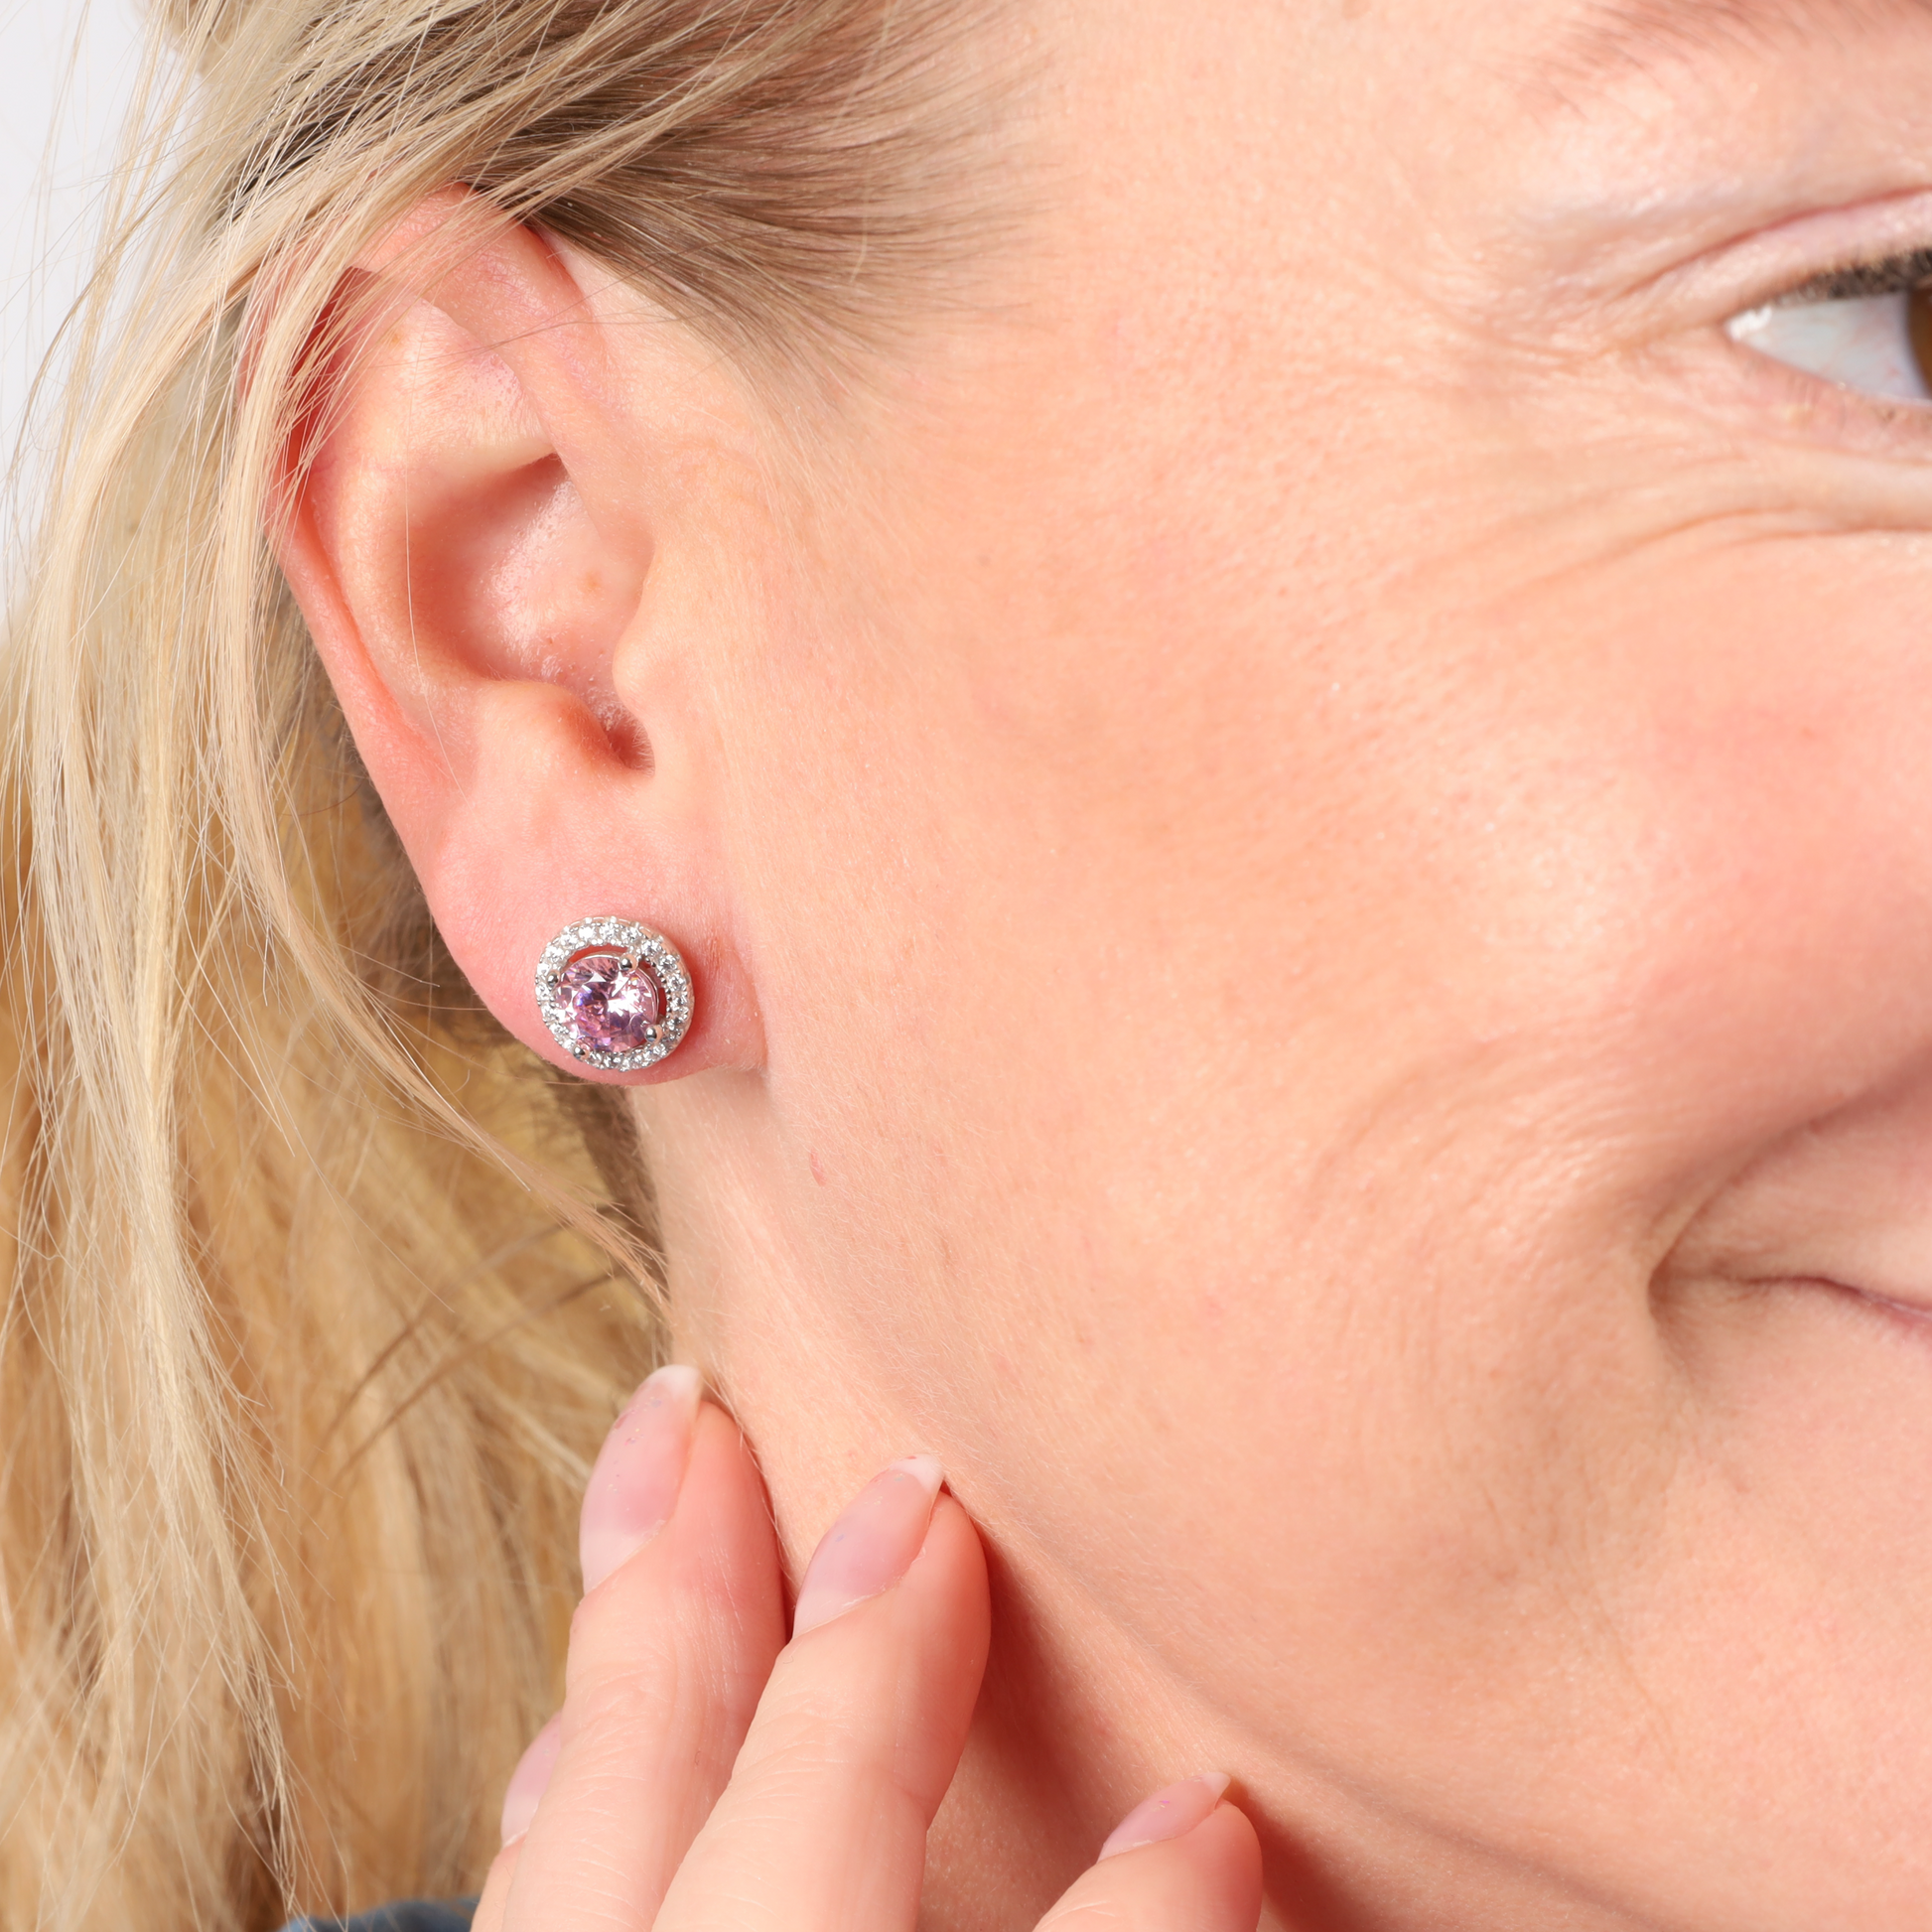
(406, 1915)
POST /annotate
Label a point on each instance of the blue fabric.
(406, 1915)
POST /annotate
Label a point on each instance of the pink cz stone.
(609, 1007)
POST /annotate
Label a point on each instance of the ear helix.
(615, 995)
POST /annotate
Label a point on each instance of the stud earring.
(614, 994)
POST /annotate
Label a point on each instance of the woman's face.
(1332, 827)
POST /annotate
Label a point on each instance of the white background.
(66, 70)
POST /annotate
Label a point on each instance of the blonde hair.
(320, 1294)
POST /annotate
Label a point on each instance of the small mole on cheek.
(818, 1173)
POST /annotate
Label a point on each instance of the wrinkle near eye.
(1879, 345)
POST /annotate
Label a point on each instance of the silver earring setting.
(614, 994)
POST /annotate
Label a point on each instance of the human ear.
(500, 551)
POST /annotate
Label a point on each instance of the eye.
(1867, 328)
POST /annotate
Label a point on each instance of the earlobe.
(471, 539)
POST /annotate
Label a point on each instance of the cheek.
(1711, 876)
(1571, 913)
(1271, 1057)
(1264, 998)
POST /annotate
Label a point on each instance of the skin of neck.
(1078, 1714)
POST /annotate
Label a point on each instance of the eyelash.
(1892, 275)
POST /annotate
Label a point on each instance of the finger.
(823, 1826)
(1182, 1862)
(668, 1653)
(529, 1782)
(488, 1916)
(526, 1786)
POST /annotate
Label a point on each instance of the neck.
(1074, 1725)
(1084, 1709)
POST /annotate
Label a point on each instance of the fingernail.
(872, 1546)
(637, 1474)
(1168, 1814)
(529, 1782)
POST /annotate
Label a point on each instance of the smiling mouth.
(1912, 1308)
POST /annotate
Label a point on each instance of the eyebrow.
(1638, 36)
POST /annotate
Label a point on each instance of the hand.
(705, 1776)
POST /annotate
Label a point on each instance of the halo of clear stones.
(659, 958)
